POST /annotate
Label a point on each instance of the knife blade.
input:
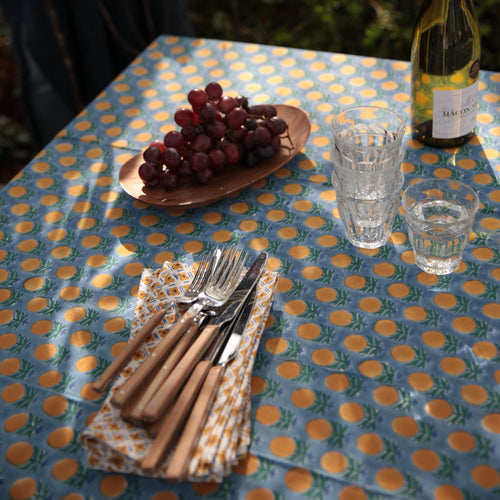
(178, 465)
(223, 350)
(157, 405)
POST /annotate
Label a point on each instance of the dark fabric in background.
(67, 51)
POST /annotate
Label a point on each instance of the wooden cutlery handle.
(171, 387)
(173, 421)
(154, 360)
(179, 463)
(124, 357)
(135, 414)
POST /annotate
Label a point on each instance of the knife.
(190, 436)
(168, 428)
(171, 387)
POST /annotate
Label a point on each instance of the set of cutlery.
(170, 393)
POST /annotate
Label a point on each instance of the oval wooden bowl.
(190, 194)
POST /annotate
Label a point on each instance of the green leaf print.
(390, 451)
(447, 467)
(326, 335)
(19, 346)
(425, 433)
(301, 236)
(405, 400)
(306, 372)
(482, 328)
(51, 307)
(451, 344)
(71, 411)
(285, 420)
(300, 454)
(327, 276)
(432, 318)
(493, 402)
(312, 310)
(271, 389)
(31, 426)
(297, 288)
(412, 486)
(65, 382)
(459, 415)
(353, 470)
(356, 322)
(27, 399)
(370, 417)
(420, 359)
(263, 472)
(294, 349)
(472, 370)
(484, 447)
(355, 386)
(35, 461)
(439, 387)
(338, 434)
(342, 298)
(373, 346)
(341, 362)
(23, 371)
(321, 402)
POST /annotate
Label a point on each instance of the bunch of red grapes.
(217, 131)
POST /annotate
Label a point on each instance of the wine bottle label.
(454, 111)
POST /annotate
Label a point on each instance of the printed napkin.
(116, 445)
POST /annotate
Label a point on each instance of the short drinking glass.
(439, 214)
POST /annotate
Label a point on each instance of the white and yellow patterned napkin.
(116, 445)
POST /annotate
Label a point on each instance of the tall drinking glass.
(367, 177)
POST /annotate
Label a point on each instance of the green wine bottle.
(445, 73)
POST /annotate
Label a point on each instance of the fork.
(207, 264)
(203, 273)
(231, 261)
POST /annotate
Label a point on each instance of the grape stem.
(287, 136)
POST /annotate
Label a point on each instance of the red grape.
(158, 144)
(276, 125)
(214, 90)
(262, 136)
(236, 117)
(171, 158)
(173, 139)
(152, 154)
(208, 113)
(184, 116)
(238, 134)
(232, 152)
(226, 104)
(148, 172)
(216, 130)
(200, 161)
(202, 143)
(217, 160)
(168, 180)
(188, 133)
(204, 176)
(197, 98)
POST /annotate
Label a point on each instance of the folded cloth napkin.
(116, 445)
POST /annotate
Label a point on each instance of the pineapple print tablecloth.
(372, 379)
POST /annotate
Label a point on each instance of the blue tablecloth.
(373, 379)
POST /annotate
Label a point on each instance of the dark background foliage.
(379, 28)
